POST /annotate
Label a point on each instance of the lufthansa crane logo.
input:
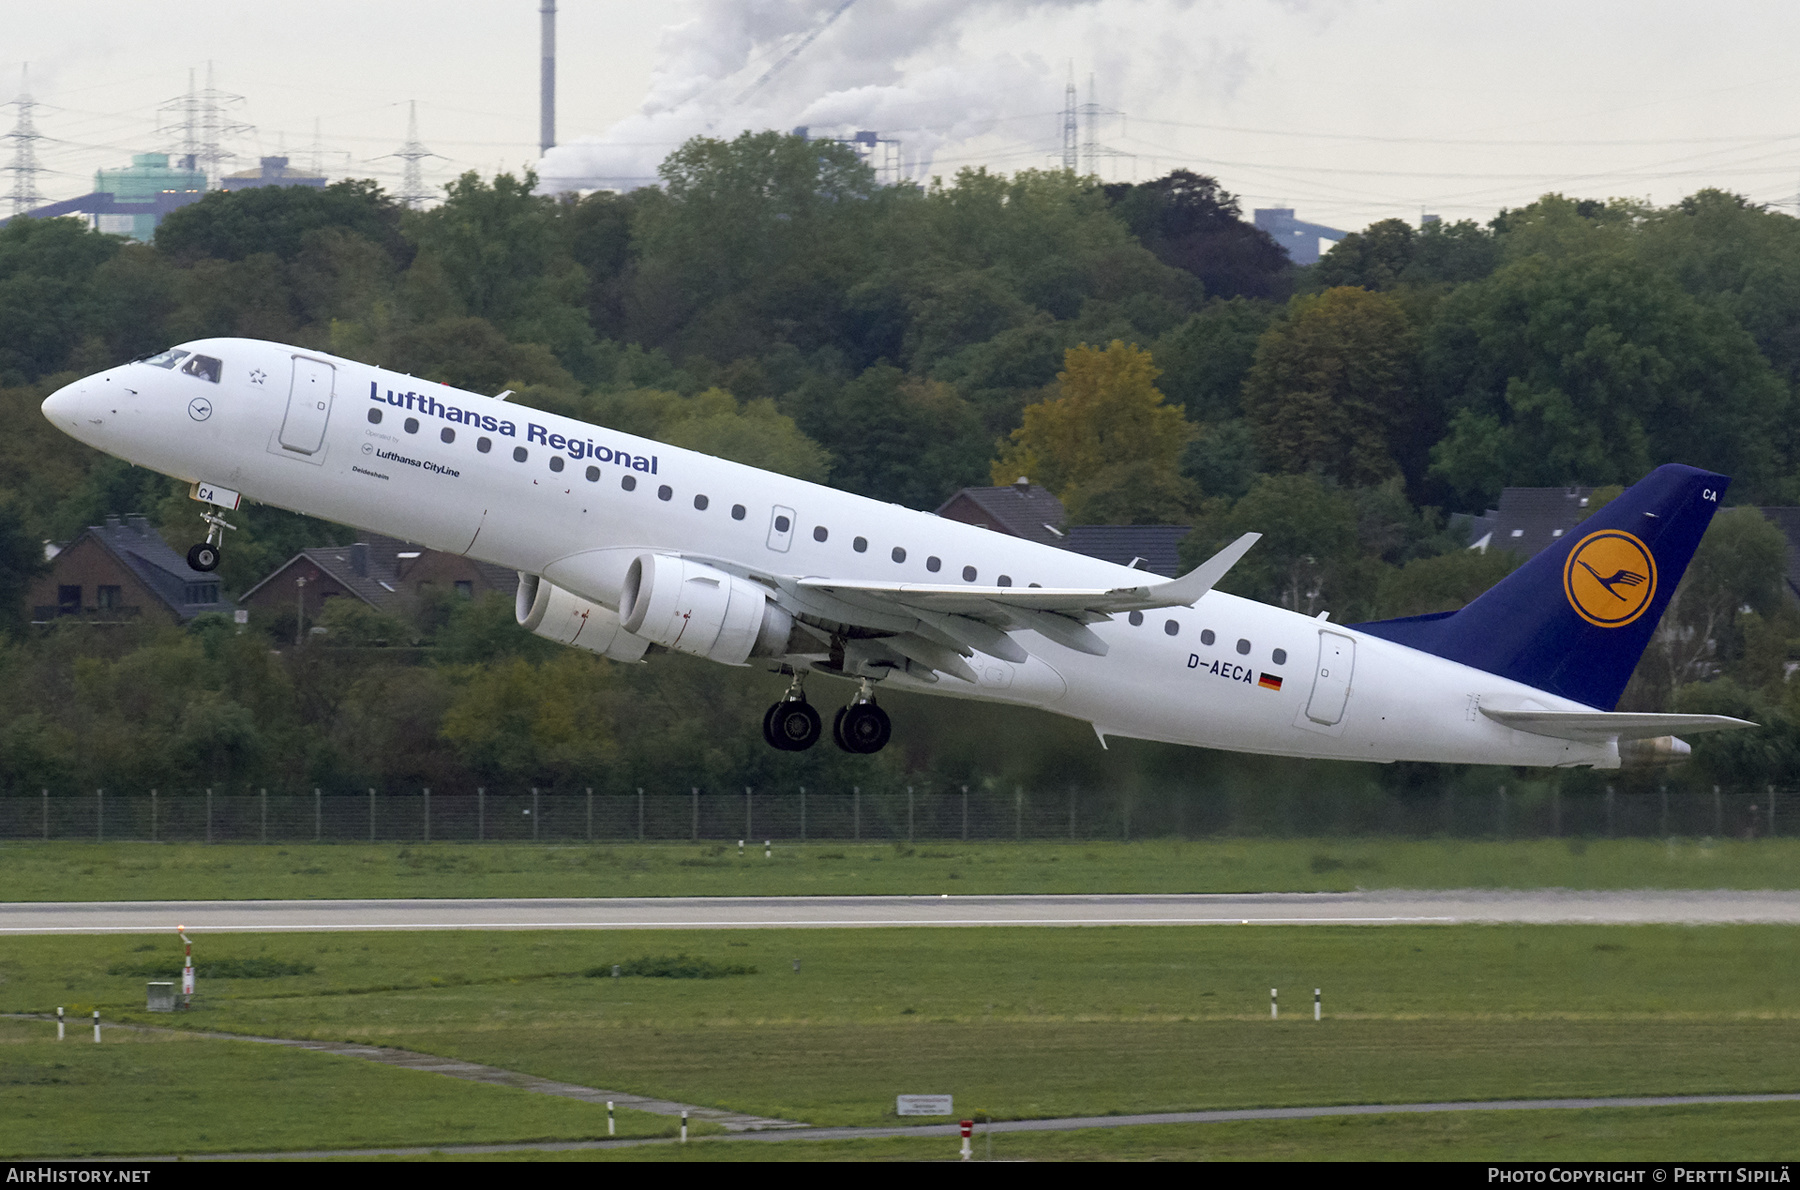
(1610, 578)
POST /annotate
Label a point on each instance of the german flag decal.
(1269, 682)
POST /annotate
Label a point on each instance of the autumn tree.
(1104, 434)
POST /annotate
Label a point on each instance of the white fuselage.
(1186, 675)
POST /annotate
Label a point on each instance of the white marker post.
(968, 1126)
(684, 1126)
(59, 1022)
(96, 1026)
(768, 848)
(187, 967)
(1274, 1013)
(1316, 1015)
(610, 1127)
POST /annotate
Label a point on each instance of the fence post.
(534, 814)
(1665, 811)
(640, 813)
(99, 815)
(694, 832)
(428, 813)
(1609, 811)
(46, 815)
(1718, 813)
(965, 790)
(318, 815)
(1500, 814)
(590, 808)
(909, 814)
(856, 813)
(371, 815)
(481, 813)
(803, 813)
(1018, 813)
(1071, 813)
(265, 814)
(1771, 811)
(209, 814)
(747, 831)
(1449, 812)
(153, 815)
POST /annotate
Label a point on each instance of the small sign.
(241, 615)
(924, 1105)
(209, 493)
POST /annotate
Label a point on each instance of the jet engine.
(568, 619)
(695, 608)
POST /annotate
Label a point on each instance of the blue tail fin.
(1575, 619)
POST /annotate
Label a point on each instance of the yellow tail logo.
(1610, 578)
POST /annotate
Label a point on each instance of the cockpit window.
(167, 359)
(203, 366)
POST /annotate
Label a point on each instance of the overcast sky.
(1350, 111)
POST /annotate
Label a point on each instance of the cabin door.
(1331, 678)
(309, 406)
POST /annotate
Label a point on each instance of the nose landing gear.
(205, 556)
(862, 727)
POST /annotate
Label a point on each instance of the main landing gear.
(205, 556)
(793, 726)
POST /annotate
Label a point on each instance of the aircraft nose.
(64, 406)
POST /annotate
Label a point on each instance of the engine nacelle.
(695, 608)
(1653, 753)
(555, 614)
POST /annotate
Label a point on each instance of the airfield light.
(187, 966)
(59, 1022)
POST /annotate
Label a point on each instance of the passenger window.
(556, 463)
(1243, 648)
(628, 482)
(520, 454)
(860, 545)
(412, 425)
(374, 417)
(899, 555)
(203, 366)
(1136, 618)
(665, 492)
(484, 444)
(820, 533)
(1171, 627)
(933, 564)
(1279, 656)
(1207, 637)
(1005, 580)
(737, 512)
(593, 474)
(701, 502)
(968, 574)
(167, 359)
(782, 524)
(446, 435)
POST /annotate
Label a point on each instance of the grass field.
(180, 871)
(1021, 1022)
(150, 1093)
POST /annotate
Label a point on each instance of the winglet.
(1187, 590)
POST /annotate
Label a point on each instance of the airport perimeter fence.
(892, 815)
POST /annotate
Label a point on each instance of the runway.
(1372, 908)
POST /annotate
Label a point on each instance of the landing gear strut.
(205, 556)
(862, 727)
(791, 724)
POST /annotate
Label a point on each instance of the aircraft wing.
(929, 616)
(1598, 726)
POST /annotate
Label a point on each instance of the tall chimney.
(547, 81)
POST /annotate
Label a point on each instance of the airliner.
(628, 547)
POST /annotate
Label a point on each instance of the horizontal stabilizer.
(1592, 727)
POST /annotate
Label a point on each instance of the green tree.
(714, 422)
(1593, 368)
(47, 300)
(1105, 416)
(1207, 357)
(1308, 559)
(1333, 388)
(1374, 258)
(238, 224)
(894, 437)
(1444, 583)
(1192, 223)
